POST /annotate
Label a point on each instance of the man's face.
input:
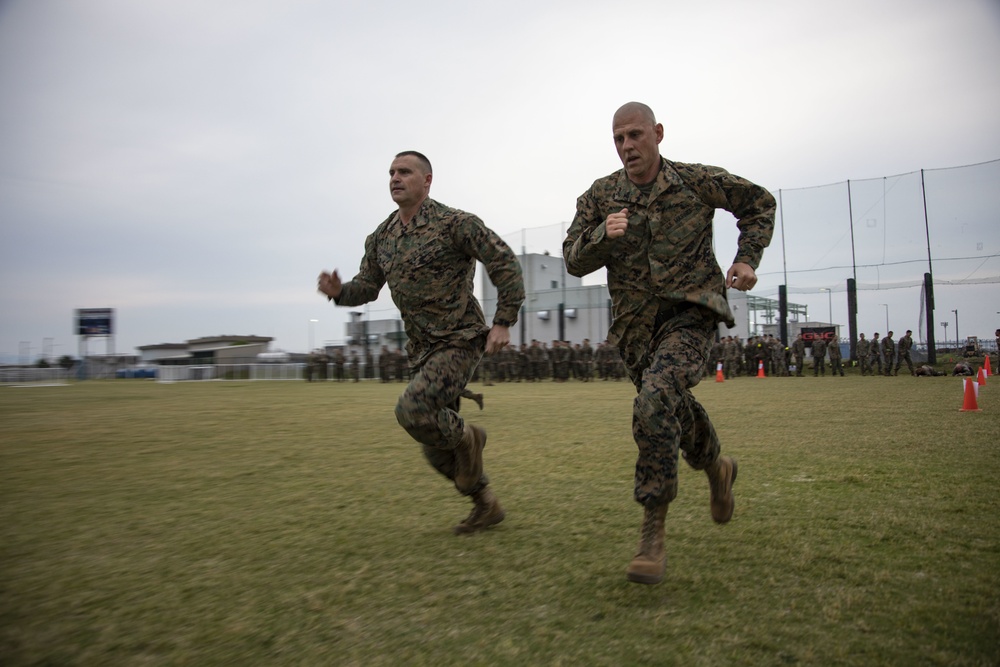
(637, 140)
(409, 183)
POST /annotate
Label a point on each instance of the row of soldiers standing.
(563, 360)
(873, 353)
(560, 362)
(530, 363)
(759, 352)
(768, 354)
(392, 365)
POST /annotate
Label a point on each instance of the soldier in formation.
(819, 356)
(888, 353)
(836, 367)
(903, 352)
(863, 349)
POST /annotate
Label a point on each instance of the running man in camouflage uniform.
(427, 253)
(650, 224)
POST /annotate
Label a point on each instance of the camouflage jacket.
(888, 347)
(666, 255)
(430, 266)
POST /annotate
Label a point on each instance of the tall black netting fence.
(886, 233)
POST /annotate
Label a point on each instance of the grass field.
(286, 523)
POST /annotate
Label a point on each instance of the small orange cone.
(970, 404)
(981, 378)
(760, 369)
(986, 365)
(719, 376)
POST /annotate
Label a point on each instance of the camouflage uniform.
(835, 357)
(355, 367)
(384, 365)
(668, 295)
(429, 265)
(730, 360)
(819, 357)
(586, 359)
(338, 365)
(888, 352)
(875, 358)
(863, 350)
(905, 343)
(799, 354)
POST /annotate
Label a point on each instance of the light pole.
(958, 342)
(311, 323)
(886, 316)
(945, 325)
(829, 294)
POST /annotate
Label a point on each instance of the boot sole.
(643, 578)
(466, 529)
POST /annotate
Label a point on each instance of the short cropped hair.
(421, 157)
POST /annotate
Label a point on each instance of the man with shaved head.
(650, 224)
(427, 253)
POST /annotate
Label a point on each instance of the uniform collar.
(667, 179)
(421, 218)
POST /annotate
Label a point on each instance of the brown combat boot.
(469, 458)
(486, 512)
(721, 476)
(650, 562)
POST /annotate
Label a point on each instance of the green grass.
(292, 523)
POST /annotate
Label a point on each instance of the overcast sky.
(194, 164)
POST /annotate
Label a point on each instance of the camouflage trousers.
(873, 362)
(866, 364)
(666, 417)
(904, 358)
(428, 407)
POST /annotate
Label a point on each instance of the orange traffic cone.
(719, 376)
(760, 369)
(986, 365)
(981, 378)
(970, 404)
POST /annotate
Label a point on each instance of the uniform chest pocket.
(682, 219)
(386, 251)
(424, 252)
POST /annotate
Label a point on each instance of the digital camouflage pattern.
(875, 357)
(430, 266)
(428, 409)
(862, 349)
(888, 352)
(663, 263)
(903, 349)
(666, 255)
(666, 416)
